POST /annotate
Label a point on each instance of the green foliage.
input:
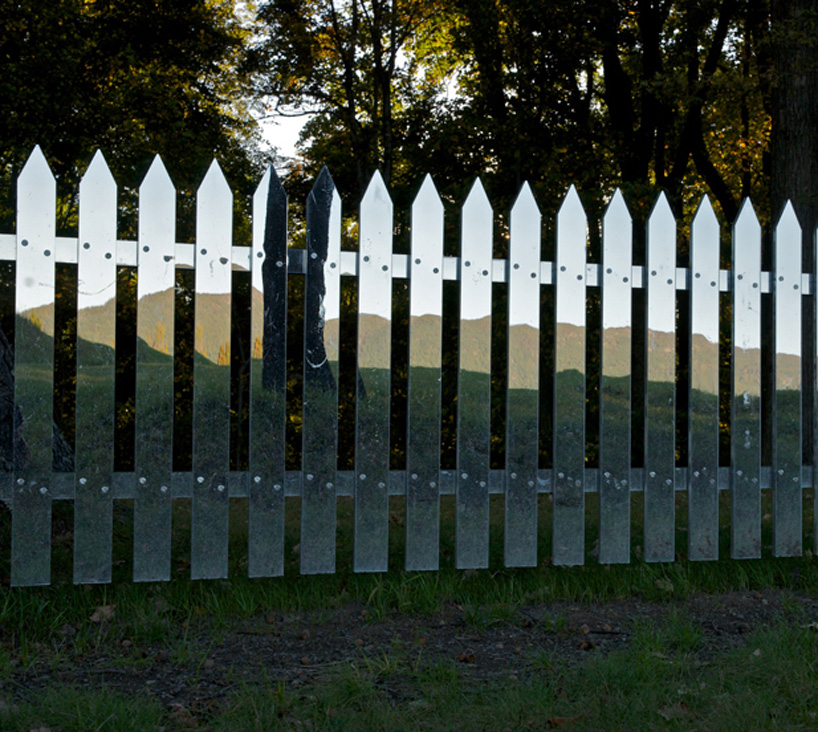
(133, 78)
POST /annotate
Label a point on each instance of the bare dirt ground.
(199, 668)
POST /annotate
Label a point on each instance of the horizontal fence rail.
(44, 468)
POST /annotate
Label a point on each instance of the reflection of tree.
(274, 283)
(316, 366)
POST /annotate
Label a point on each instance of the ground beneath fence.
(195, 668)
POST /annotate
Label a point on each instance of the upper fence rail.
(44, 468)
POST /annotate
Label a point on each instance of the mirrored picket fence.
(654, 371)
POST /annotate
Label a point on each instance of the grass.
(659, 682)
(664, 679)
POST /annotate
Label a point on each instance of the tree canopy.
(682, 95)
(133, 78)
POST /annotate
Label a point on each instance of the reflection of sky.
(617, 247)
(332, 275)
(747, 263)
(524, 295)
(477, 225)
(36, 202)
(214, 229)
(788, 299)
(376, 243)
(427, 245)
(572, 236)
(96, 284)
(704, 245)
(661, 246)
(157, 229)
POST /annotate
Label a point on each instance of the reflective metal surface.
(615, 390)
(373, 387)
(321, 351)
(787, 508)
(34, 375)
(522, 420)
(211, 378)
(96, 356)
(425, 333)
(703, 422)
(746, 396)
(660, 402)
(474, 383)
(156, 279)
(268, 378)
(569, 384)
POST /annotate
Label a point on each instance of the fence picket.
(787, 493)
(211, 377)
(96, 358)
(615, 391)
(423, 424)
(569, 384)
(34, 374)
(156, 280)
(474, 383)
(44, 467)
(703, 422)
(746, 395)
(660, 403)
(268, 378)
(522, 415)
(373, 395)
(321, 351)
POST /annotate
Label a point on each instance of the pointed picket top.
(322, 190)
(525, 204)
(746, 223)
(157, 180)
(427, 198)
(572, 227)
(662, 214)
(36, 173)
(376, 194)
(617, 227)
(571, 208)
(477, 200)
(214, 184)
(705, 219)
(98, 174)
(788, 224)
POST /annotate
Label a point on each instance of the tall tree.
(133, 77)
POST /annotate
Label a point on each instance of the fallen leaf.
(607, 628)
(584, 629)
(104, 613)
(466, 657)
(305, 661)
(586, 645)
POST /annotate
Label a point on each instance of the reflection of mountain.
(155, 320)
(661, 356)
(569, 347)
(374, 338)
(787, 371)
(616, 352)
(96, 325)
(475, 345)
(425, 336)
(704, 364)
(523, 357)
(34, 335)
(747, 371)
(212, 339)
